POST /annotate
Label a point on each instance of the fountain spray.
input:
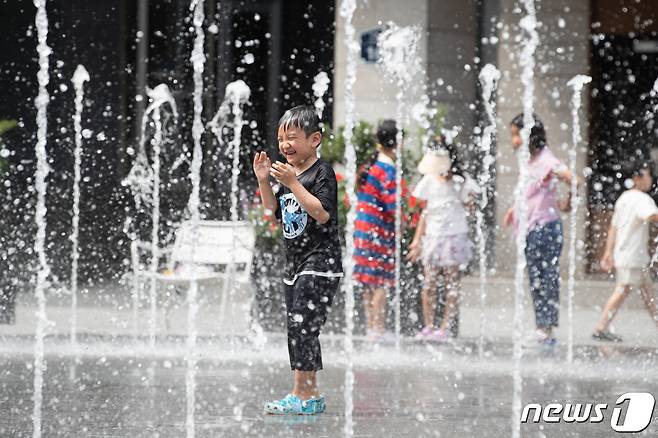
(576, 83)
(528, 26)
(198, 59)
(159, 96)
(489, 77)
(41, 103)
(399, 59)
(79, 78)
(347, 9)
(320, 86)
(236, 95)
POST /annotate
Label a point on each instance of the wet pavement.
(119, 388)
(108, 309)
(112, 384)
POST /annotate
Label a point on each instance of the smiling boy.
(306, 204)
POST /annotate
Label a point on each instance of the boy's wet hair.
(301, 117)
(387, 133)
(537, 139)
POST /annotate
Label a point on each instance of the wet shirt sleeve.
(420, 191)
(468, 187)
(551, 166)
(325, 189)
(646, 207)
(543, 167)
(277, 193)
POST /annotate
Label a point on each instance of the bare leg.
(367, 300)
(378, 310)
(453, 289)
(612, 307)
(428, 297)
(306, 385)
(649, 302)
(548, 331)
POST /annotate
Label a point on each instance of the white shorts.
(633, 277)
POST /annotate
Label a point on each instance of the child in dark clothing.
(306, 204)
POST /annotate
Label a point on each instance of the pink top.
(541, 196)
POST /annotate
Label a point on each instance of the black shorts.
(308, 301)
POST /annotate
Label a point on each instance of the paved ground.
(108, 310)
(422, 391)
(115, 385)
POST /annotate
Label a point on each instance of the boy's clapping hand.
(284, 173)
(262, 165)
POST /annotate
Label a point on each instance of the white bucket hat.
(435, 162)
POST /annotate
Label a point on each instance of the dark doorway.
(624, 70)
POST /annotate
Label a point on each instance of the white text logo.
(638, 408)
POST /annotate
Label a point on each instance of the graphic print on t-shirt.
(293, 216)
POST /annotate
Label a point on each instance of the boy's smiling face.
(296, 146)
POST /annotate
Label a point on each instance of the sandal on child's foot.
(293, 405)
(439, 336)
(425, 333)
(607, 336)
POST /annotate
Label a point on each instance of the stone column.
(374, 94)
(452, 73)
(563, 52)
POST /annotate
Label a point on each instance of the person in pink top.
(544, 228)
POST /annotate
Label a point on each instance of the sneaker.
(293, 405)
(538, 338)
(439, 336)
(606, 336)
(422, 335)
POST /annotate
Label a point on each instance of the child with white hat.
(441, 240)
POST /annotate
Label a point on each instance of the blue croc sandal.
(292, 405)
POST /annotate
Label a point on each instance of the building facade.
(614, 41)
(277, 47)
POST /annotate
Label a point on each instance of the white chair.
(224, 251)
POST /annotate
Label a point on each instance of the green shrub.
(5, 125)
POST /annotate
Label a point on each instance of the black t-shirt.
(311, 248)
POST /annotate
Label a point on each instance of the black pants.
(308, 301)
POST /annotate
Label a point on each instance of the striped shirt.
(374, 228)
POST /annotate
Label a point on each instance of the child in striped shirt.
(374, 235)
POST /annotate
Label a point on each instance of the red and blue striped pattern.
(374, 228)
